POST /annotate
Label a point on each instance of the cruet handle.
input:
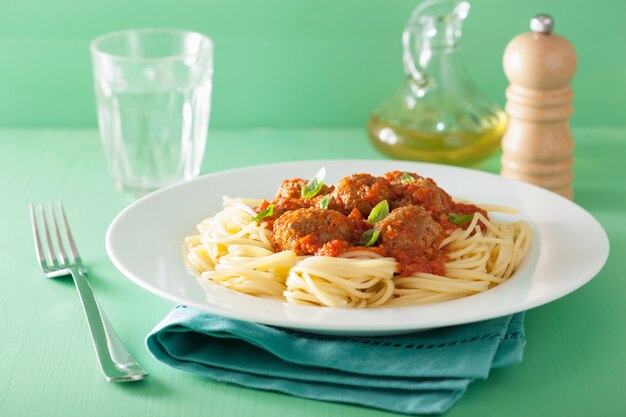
(432, 24)
(411, 45)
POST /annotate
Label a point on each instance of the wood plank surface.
(575, 357)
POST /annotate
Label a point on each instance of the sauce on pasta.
(366, 241)
(418, 222)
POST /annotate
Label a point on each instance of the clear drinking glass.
(153, 93)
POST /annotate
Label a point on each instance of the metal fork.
(116, 363)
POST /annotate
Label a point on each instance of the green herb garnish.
(369, 238)
(314, 186)
(265, 213)
(379, 212)
(406, 177)
(324, 201)
(458, 219)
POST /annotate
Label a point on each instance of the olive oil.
(454, 148)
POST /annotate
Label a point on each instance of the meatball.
(420, 191)
(426, 193)
(395, 177)
(360, 191)
(292, 189)
(306, 230)
(409, 232)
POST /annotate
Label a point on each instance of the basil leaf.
(369, 238)
(458, 219)
(406, 177)
(379, 212)
(265, 213)
(324, 201)
(313, 187)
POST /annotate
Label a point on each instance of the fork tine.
(49, 249)
(38, 250)
(68, 233)
(62, 255)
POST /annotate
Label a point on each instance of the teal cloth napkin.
(424, 372)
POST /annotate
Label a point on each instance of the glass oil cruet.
(439, 115)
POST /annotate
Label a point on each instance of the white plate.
(145, 243)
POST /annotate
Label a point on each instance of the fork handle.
(116, 363)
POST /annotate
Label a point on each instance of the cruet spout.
(434, 24)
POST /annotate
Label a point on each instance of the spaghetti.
(236, 250)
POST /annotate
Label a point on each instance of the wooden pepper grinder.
(538, 145)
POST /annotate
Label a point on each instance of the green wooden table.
(575, 358)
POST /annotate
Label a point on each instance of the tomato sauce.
(399, 237)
